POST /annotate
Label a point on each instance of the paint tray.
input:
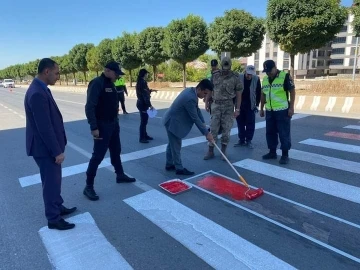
(175, 186)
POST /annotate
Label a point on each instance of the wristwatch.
(237, 110)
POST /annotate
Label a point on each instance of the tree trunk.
(66, 79)
(292, 63)
(74, 74)
(184, 75)
(154, 73)
(84, 76)
(97, 73)
(130, 78)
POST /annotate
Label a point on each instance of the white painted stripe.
(333, 145)
(217, 246)
(282, 226)
(301, 102)
(353, 127)
(83, 247)
(324, 185)
(68, 101)
(315, 104)
(283, 199)
(347, 104)
(81, 168)
(331, 104)
(331, 162)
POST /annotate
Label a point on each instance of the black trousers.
(144, 118)
(50, 174)
(110, 139)
(246, 124)
(121, 96)
(278, 126)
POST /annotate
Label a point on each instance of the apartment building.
(337, 57)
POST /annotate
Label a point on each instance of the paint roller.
(250, 194)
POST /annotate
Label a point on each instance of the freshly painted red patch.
(174, 186)
(223, 187)
(344, 135)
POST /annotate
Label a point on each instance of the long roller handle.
(240, 177)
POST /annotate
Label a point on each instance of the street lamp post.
(355, 58)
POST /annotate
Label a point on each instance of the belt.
(223, 101)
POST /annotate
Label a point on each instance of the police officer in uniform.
(121, 90)
(277, 88)
(227, 86)
(101, 110)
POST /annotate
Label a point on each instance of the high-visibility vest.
(120, 82)
(276, 96)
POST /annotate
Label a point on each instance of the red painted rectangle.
(343, 135)
(223, 187)
(174, 186)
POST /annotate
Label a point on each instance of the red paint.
(344, 135)
(223, 187)
(175, 186)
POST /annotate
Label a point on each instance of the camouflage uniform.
(222, 108)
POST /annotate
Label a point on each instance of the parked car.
(8, 83)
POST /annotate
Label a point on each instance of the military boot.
(223, 149)
(210, 153)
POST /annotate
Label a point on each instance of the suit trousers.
(173, 155)
(109, 132)
(246, 124)
(278, 125)
(50, 174)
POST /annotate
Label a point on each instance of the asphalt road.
(308, 217)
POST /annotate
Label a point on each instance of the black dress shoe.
(61, 225)
(90, 193)
(123, 178)
(149, 138)
(184, 172)
(66, 211)
(170, 167)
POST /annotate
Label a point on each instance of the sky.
(32, 29)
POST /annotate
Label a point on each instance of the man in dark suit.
(46, 141)
(180, 118)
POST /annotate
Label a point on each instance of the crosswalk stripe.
(331, 162)
(83, 247)
(353, 127)
(217, 246)
(333, 145)
(81, 168)
(326, 186)
(343, 135)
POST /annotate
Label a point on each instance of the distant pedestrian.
(178, 120)
(46, 141)
(278, 97)
(249, 106)
(101, 110)
(121, 90)
(143, 103)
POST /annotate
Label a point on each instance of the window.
(336, 62)
(286, 55)
(344, 28)
(267, 55)
(314, 54)
(353, 41)
(321, 53)
(257, 66)
(274, 54)
(339, 40)
(351, 62)
(320, 63)
(338, 51)
(313, 65)
(257, 56)
(352, 52)
(286, 64)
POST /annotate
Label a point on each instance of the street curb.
(329, 105)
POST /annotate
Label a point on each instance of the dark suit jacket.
(45, 132)
(183, 113)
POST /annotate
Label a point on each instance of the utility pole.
(355, 58)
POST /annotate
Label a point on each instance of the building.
(337, 57)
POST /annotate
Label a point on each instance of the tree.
(78, 57)
(150, 48)
(124, 51)
(237, 32)
(31, 67)
(300, 26)
(185, 40)
(67, 67)
(355, 9)
(104, 53)
(92, 59)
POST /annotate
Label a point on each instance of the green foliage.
(78, 56)
(355, 9)
(149, 47)
(66, 65)
(31, 67)
(124, 51)
(237, 32)
(300, 26)
(104, 53)
(236, 66)
(92, 59)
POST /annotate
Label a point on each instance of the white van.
(8, 83)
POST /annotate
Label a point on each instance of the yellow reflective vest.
(276, 96)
